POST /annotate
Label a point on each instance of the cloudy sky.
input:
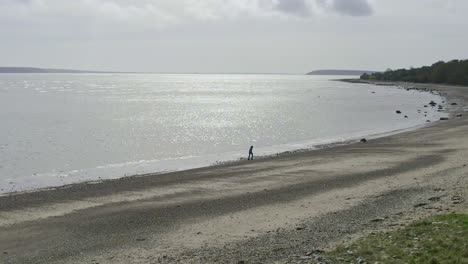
(254, 36)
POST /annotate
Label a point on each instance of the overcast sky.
(254, 36)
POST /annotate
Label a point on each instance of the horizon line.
(67, 70)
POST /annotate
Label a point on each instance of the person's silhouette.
(250, 153)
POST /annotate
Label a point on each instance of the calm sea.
(59, 129)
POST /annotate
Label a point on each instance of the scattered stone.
(241, 262)
(315, 252)
(432, 103)
(420, 205)
(140, 239)
(378, 219)
(363, 140)
(456, 199)
(459, 115)
(434, 199)
(199, 233)
(398, 111)
(425, 105)
(300, 228)
(444, 118)
(428, 121)
(406, 116)
(320, 259)
(306, 257)
(360, 260)
(277, 249)
(453, 104)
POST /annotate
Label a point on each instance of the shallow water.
(58, 129)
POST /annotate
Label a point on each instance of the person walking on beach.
(250, 153)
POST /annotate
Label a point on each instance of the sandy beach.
(270, 210)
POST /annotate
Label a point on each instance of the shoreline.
(50, 181)
(321, 146)
(272, 209)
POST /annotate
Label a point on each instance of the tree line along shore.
(454, 72)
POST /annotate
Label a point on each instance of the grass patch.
(439, 239)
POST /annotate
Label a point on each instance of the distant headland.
(340, 72)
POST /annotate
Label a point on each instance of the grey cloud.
(352, 7)
(296, 7)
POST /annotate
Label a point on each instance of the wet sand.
(271, 210)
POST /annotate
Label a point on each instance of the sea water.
(58, 129)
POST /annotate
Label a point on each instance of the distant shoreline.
(28, 70)
(341, 72)
(38, 70)
(396, 83)
(34, 70)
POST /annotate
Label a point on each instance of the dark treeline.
(453, 72)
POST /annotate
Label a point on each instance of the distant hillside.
(41, 70)
(339, 72)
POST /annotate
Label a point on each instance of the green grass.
(439, 239)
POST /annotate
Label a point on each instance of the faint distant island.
(43, 70)
(340, 72)
(454, 72)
